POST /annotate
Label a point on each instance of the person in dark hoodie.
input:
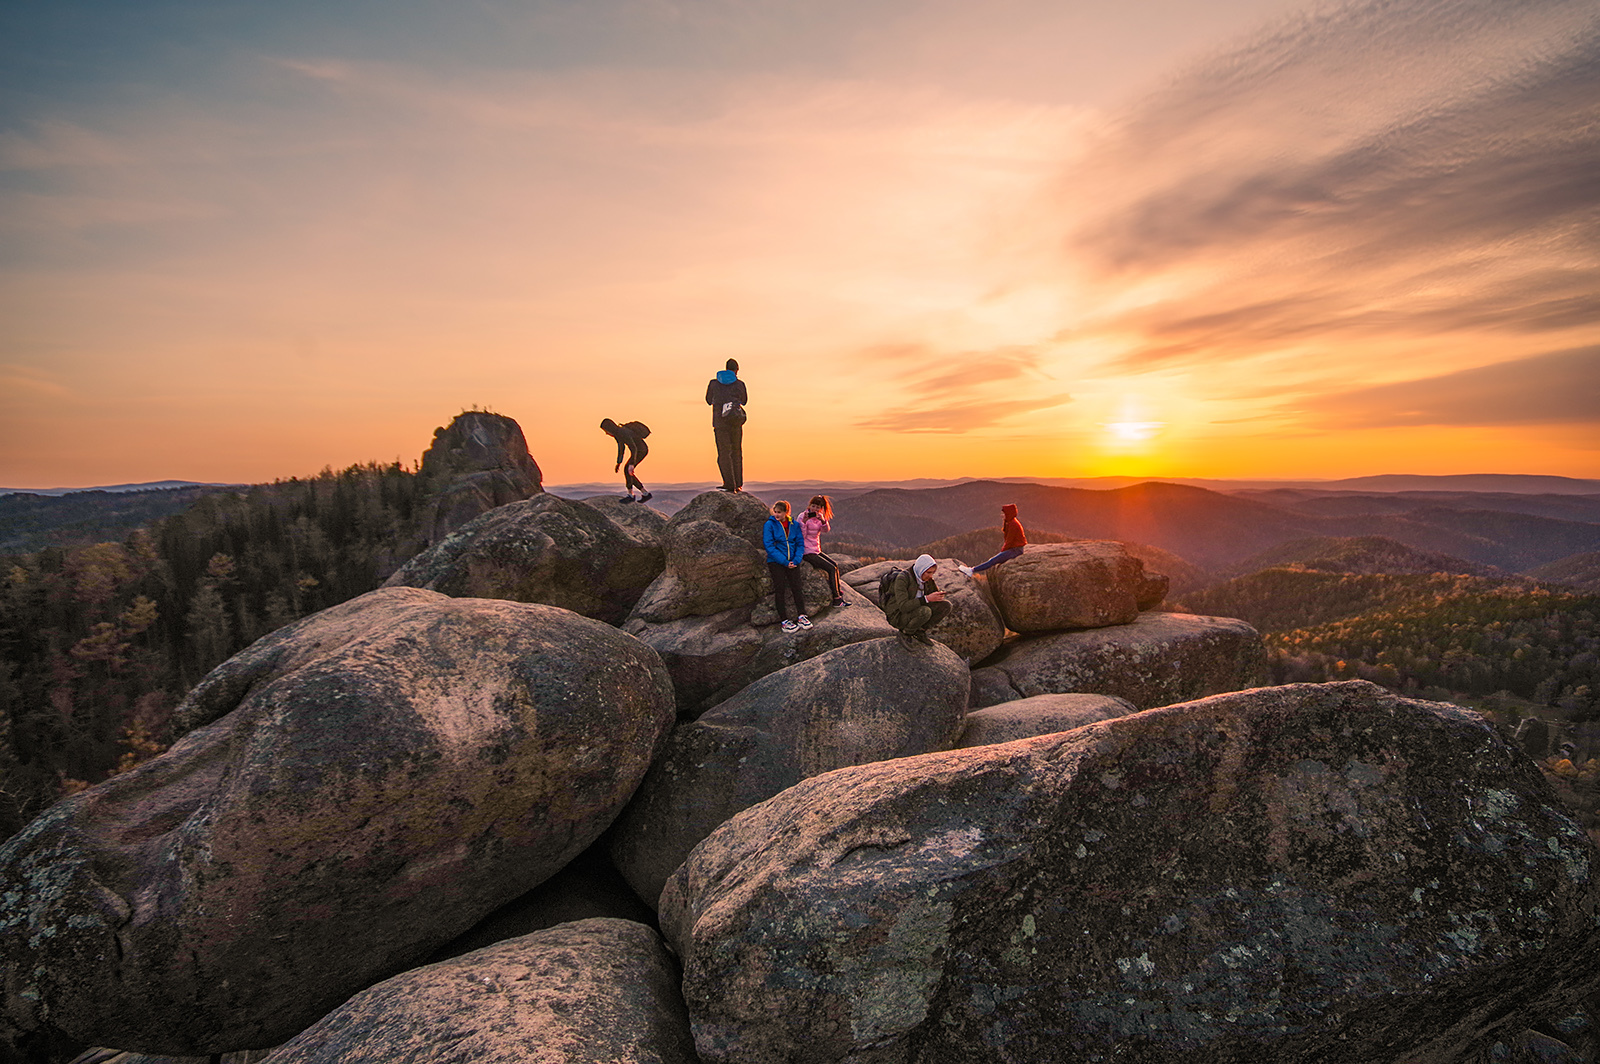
(726, 396)
(1015, 540)
(630, 437)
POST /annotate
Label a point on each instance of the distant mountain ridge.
(1211, 529)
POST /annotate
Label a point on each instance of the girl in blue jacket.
(785, 545)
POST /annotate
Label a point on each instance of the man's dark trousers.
(730, 453)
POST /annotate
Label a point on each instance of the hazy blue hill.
(1581, 571)
(1349, 504)
(1363, 554)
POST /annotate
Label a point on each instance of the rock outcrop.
(1320, 872)
(550, 550)
(477, 462)
(972, 628)
(1056, 586)
(1039, 715)
(1157, 660)
(391, 770)
(710, 614)
(866, 702)
(591, 992)
(714, 559)
(711, 659)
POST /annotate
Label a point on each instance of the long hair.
(823, 505)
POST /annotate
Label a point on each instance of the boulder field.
(419, 826)
(393, 770)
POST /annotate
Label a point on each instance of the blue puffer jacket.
(783, 547)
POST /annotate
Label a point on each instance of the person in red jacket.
(1015, 540)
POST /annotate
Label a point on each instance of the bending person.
(629, 437)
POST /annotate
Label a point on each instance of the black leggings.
(783, 576)
(830, 568)
(629, 479)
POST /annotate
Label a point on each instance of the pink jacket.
(812, 526)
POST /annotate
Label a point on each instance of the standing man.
(725, 395)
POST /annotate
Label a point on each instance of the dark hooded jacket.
(726, 387)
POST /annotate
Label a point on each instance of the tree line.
(99, 643)
(1434, 635)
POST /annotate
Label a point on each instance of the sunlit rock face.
(589, 992)
(1313, 872)
(550, 550)
(868, 701)
(360, 787)
(1158, 659)
(1055, 586)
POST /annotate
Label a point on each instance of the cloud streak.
(1562, 387)
(1381, 172)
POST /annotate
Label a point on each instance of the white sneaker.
(965, 569)
(805, 622)
(790, 626)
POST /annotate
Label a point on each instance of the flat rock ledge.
(1159, 659)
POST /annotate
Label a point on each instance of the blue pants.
(1003, 556)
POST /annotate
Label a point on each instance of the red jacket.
(1016, 538)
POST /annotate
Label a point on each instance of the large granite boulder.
(392, 770)
(972, 628)
(477, 462)
(555, 551)
(1157, 660)
(1319, 872)
(1055, 586)
(866, 702)
(715, 560)
(1039, 715)
(590, 992)
(712, 658)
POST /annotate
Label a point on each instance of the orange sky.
(1242, 238)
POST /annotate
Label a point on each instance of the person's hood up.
(923, 563)
(726, 376)
(1009, 510)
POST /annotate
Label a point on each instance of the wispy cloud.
(1562, 387)
(1371, 171)
(964, 391)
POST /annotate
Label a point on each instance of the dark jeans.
(629, 480)
(783, 576)
(730, 452)
(1003, 556)
(828, 566)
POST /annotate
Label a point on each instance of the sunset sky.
(1196, 238)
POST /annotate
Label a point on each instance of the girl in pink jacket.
(813, 523)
